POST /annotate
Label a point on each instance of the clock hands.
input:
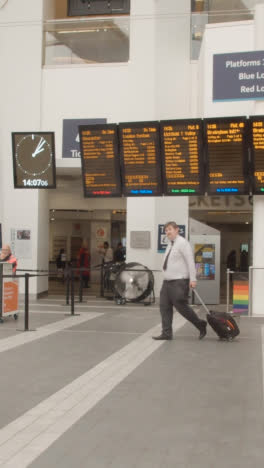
(39, 148)
(37, 152)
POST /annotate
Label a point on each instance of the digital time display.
(100, 160)
(256, 125)
(140, 158)
(182, 157)
(226, 156)
(34, 160)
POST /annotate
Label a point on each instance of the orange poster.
(10, 297)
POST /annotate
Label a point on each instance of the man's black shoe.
(162, 337)
(203, 330)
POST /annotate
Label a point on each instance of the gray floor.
(189, 404)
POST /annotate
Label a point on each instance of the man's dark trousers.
(175, 293)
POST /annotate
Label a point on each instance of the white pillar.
(20, 97)
(258, 206)
(145, 214)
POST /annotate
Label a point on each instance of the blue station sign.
(238, 76)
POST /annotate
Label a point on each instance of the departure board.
(226, 156)
(140, 158)
(257, 153)
(182, 157)
(100, 160)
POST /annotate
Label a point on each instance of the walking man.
(179, 274)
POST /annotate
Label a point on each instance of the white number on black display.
(35, 183)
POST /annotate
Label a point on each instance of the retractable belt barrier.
(70, 278)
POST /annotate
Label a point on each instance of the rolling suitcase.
(222, 323)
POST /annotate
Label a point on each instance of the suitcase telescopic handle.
(200, 300)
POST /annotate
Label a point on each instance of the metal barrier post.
(102, 281)
(81, 287)
(72, 293)
(26, 301)
(227, 289)
(250, 291)
(67, 290)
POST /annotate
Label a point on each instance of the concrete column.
(145, 214)
(258, 207)
(20, 97)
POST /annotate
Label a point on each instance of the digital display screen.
(100, 160)
(140, 158)
(34, 160)
(182, 157)
(256, 124)
(226, 156)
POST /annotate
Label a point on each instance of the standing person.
(107, 258)
(179, 273)
(60, 263)
(243, 260)
(84, 262)
(7, 256)
(107, 253)
(119, 254)
(231, 260)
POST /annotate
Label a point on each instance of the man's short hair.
(172, 224)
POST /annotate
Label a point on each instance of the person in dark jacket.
(119, 254)
(231, 260)
(244, 260)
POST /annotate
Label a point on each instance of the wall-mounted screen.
(140, 158)
(34, 160)
(226, 156)
(256, 125)
(100, 160)
(98, 7)
(182, 157)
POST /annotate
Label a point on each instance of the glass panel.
(101, 39)
(217, 11)
(86, 41)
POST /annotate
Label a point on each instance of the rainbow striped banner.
(240, 297)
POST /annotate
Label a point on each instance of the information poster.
(204, 255)
(21, 243)
(100, 236)
(10, 292)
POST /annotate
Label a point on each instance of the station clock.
(34, 160)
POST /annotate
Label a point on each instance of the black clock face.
(33, 155)
(34, 162)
